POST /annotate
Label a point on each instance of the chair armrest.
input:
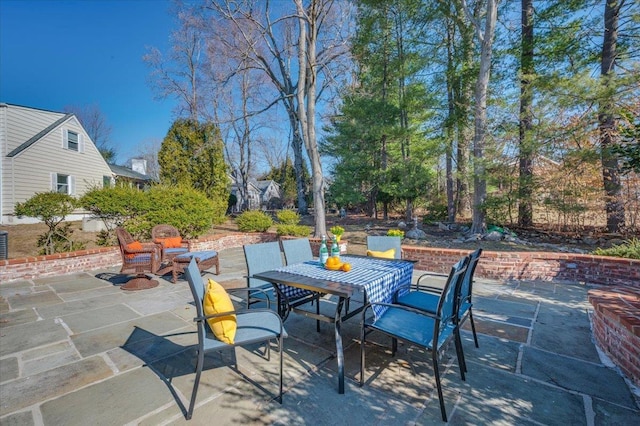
(250, 290)
(428, 288)
(146, 248)
(241, 311)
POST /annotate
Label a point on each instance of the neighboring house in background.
(263, 194)
(44, 151)
(135, 176)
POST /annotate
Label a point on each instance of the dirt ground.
(23, 238)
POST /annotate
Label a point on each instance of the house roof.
(35, 138)
(263, 184)
(128, 173)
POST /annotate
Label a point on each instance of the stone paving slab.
(77, 283)
(9, 369)
(24, 418)
(4, 306)
(110, 290)
(15, 288)
(159, 302)
(607, 413)
(96, 318)
(81, 305)
(109, 402)
(30, 335)
(35, 300)
(494, 394)
(22, 316)
(577, 375)
(106, 338)
(574, 341)
(55, 279)
(48, 357)
(493, 352)
(30, 390)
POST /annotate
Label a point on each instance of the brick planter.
(616, 327)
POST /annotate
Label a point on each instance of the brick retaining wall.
(616, 326)
(497, 265)
(533, 265)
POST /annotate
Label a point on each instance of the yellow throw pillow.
(389, 254)
(216, 301)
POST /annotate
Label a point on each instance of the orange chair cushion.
(170, 242)
(134, 246)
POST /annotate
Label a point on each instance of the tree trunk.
(607, 123)
(480, 117)
(306, 105)
(298, 161)
(451, 205)
(525, 189)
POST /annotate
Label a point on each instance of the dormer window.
(72, 141)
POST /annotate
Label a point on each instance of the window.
(106, 181)
(72, 141)
(64, 184)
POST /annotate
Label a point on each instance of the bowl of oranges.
(333, 263)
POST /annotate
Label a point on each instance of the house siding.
(29, 171)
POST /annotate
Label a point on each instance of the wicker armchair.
(138, 260)
(160, 234)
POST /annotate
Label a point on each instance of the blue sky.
(56, 53)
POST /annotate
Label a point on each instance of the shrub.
(254, 221)
(294, 230)
(630, 249)
(121, 205)
(188, 209)
(437, 212)
(288, 217)
(337, 230)
(395, 233)
(51, 208)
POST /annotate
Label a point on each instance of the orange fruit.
(332, 262)
(346, 267)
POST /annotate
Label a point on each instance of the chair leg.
(318, 312)
(281, 363)
(459, 353)
(394, 346)
(362, 338)
(473, 328)
(196, 382)
(436, 373)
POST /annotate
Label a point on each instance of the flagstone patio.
(77, 350)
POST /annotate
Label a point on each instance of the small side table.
(204, 259)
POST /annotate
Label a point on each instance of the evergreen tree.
(192, 154)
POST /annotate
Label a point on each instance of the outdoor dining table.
(379, 278)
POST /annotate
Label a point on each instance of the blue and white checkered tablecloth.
(380, 278)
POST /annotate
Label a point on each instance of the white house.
(45, 151)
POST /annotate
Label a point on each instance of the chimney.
(139, 165)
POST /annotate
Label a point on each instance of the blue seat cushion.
(202, 255)
(411, 327)
(251, 327)
(176, 250)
